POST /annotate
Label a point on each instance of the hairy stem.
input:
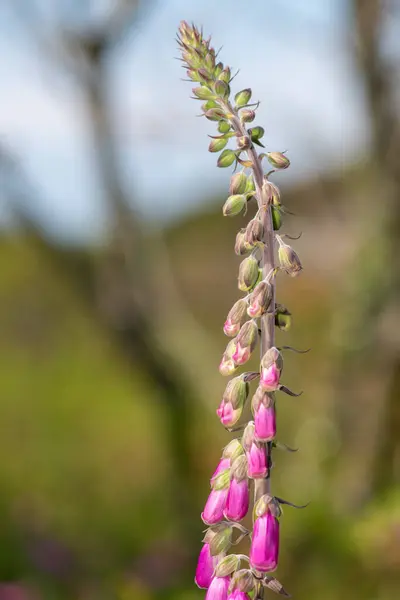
(261, 486)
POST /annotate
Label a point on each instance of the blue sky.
(296, 56)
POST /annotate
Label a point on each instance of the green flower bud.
(209, 104)
(226, 75)
(222, 88)
(236, 392)
(204, 76)
(250, 187)
(276, 218)
(242, 580)
(254, 232)
(272, 357)
(242, 98)
(227, 365)
(283, 318)
(227, 565)
(256, 133)
(233, 450)
(289, 260)
(236, 317)
(243, 142)
(239, 468)
(214, 114)
(234, 205)
(271, 193)
(247, 116)
(224, 126)
(248, 274)
(221, 540)
(203, 93)
(278, 160)
(218, 70)
(217, 145)
(238, 184)
(193, 75)
(241, 246)
(226, 159)
(263, 504)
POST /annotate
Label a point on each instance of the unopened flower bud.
(254, 232)
(289, 260)
(236, 317)
(271, 192)
(256, 133)
(243, 581)
(222, 88)
(217, 145)
(233, 450)
(218, 69)
(224, 127)
(243, 142)
(283, 318)
(271, 368)
(226, 159)
(214, 114)
(214, 509)
(276, 218)
(243, 97)
(226, 75)
(247, 115)
(204, 76)
(246, 341)
(218, 589)
(278, 160)
(250, 187)
(203, 93)
(236, 391)
(205, 567)
(241, 246)
(227, 365)
(227, 565)
(265, 543)
(221, 538)
(260, 299)
(234, 205)
(248, 274)
(237, 184)
(256, 453)
(263, 409)
(231, 407)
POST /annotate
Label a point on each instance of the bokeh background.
(117, 270)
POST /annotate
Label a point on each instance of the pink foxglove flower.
(237, 503)
(205, 567)
(263, 408)
(218, 589)
(265, 543)
(250, 457)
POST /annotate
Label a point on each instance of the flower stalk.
(246, 461)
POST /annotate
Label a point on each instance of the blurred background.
(117, 272)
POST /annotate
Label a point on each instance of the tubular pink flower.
(237, 503)
(265, 543)
(218, 589)
(238, 595)
(265, 423)
(269, 379)
(205, 567)
(257, 461)
(214, 509)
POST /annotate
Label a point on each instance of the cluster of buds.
(246, 462)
